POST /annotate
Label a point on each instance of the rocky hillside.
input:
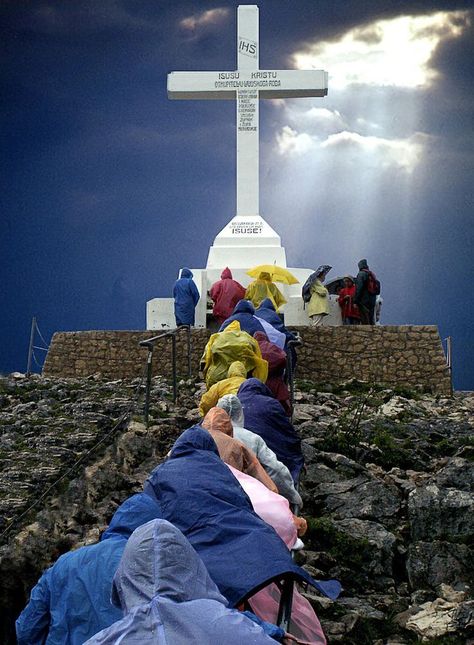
(388, 493)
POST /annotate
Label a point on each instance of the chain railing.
(149, 343)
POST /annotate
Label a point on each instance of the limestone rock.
(440, 618)
(440, 513)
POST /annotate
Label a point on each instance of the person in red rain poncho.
(225, 293)
(349, 311)
(276, 358)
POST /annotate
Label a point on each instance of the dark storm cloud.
(109, 187)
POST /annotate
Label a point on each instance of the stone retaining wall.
(406, 355)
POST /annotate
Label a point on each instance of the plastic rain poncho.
(244, 314)
(186, 297)
(225, 293)
(271, 507)
(276, 359)
(235, 453)
(262, 288)
(198, 494)
(274, 510)
(71, 601)
(266, 311)
(168, 598)
(265, 416)
(236, 375)
(223, 348)
(279, 473)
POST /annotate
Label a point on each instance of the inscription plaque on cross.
(247, 84)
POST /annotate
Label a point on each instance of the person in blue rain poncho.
(244, 313)
(71, 601)
(265, 416)
(186, 297)
(199, 495)
(168, 598)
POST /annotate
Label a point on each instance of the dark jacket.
(265, 416)
(244, 313)
(71, 601)
(186, 297)
(199, 495)
(362, 296)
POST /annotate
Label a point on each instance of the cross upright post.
(247, 84)
(247, 114)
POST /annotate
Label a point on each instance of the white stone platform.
(245, 242)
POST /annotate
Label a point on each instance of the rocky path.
(388, 493)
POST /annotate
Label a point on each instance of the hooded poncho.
(71, 601)
(186, 297)
(223, 348)
(167, 596)
(265, 416)
(262, 288)
(276, 359)
(244, 313)
(279, 473)
(266, 311)
(236, 375)
(225, 293)
(198, 494)
(217, 422)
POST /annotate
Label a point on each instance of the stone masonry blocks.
(406, 355)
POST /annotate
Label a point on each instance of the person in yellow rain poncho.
(225, 347)
(236, 375)
(262, 288)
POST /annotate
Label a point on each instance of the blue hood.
(186, 273)
(254, 386)
(135, 511)
(264, 415)
(244, 307)
(159, 560)
(195, 438)
(266, 304)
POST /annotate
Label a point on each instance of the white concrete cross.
(247, 84)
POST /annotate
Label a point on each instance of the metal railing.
(290, 367)
(449, 359)
(287, 587)
(149, 343)
(31, 347)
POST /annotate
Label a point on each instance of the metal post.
(173, 363)
(30, 349)
(286, 603)
(148, 383)
(449, 360)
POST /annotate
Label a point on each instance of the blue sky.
(108, 187)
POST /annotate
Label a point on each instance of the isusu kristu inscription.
(257, 80)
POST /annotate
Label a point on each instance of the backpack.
(373, 285)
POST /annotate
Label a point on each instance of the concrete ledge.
(394, 355)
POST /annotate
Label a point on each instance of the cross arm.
(269, 83)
